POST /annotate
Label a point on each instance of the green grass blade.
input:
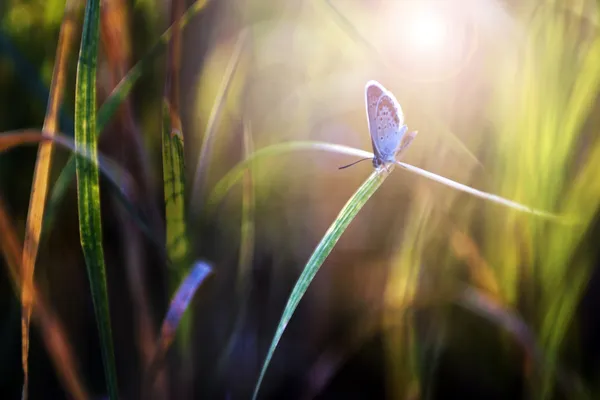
(237, 173)
(114, 101)
(88, 187)
(215, 113)
(234, 176)
(333, 234)
(174, 186)
(487, 196)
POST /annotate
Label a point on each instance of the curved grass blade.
(120, 180)
(478, 302)
(41, 176)
(235, 174)
(215, 113)
(483, 195)
(8, 140)
(116, 175)
(180, 303)
(53, 335)
(116, 98)
(88, 187)
(246, 253)
(333, 234)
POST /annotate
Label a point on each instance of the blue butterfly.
(386, 125)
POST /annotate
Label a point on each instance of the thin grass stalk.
(41, 175)
(53, 334)
(181, 301)
(211, 126)
(246, 253)
(236, 173)
(116, 43)
(11, 139)
(88, 187)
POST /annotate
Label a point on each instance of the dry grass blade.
(53, 333)
(8, 140)
(41, 175)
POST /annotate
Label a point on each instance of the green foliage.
(88, 188)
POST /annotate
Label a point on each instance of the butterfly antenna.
(355, 162)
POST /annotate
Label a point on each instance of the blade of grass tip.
(53, 333)
(490, 197)
(237, 172)
(325, 246)
(88, 187)
(215, 113)
(180, 303)
(114, 101)
(41, 175)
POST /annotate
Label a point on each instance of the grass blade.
(233, 176)
(41, 175)
(88, 188)
(246, 253)
(173, 158)
(180, 303)
(206, 147)
(120, 180)
(237, 173)
(116, 98)
(333, 234)
(53, 335)
(8, 140)
(483, 195)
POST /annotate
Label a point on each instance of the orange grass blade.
(41, 175)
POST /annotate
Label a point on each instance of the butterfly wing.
(405, 142)
(373, 92)
(389, 121)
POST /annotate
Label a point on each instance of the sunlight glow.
(427, 31)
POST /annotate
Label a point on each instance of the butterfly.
(386, 125)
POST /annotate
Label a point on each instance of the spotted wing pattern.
(373, 92)
(390, 127)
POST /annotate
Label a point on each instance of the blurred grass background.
(504, 95)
